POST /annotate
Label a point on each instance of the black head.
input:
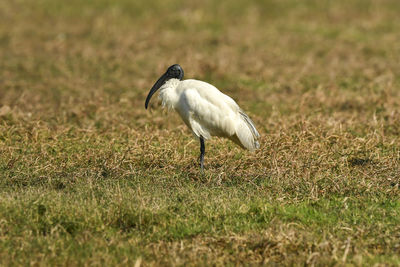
(173, 72)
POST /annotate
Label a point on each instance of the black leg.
(202, 151)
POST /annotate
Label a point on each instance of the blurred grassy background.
(87, 175)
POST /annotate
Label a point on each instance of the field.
(89, 177)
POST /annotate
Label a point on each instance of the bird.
(205, 110)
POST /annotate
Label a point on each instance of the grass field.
(89, 177)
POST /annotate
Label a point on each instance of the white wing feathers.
(247, 132)
(209, 112)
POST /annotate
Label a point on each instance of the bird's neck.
(169, 93)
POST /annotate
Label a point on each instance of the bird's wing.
(209, 113)
(210, 93)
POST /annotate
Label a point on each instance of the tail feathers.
(246, 133)
(250, 124)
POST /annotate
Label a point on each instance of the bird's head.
(173, 72)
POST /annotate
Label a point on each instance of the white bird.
(205, 110)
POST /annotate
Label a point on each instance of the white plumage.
(205, 110)
(208, 112)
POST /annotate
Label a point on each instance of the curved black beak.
(155, 87)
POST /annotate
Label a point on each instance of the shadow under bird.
(205, 110)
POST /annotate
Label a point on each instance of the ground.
(89, 177)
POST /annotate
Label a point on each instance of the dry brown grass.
(88, 176)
